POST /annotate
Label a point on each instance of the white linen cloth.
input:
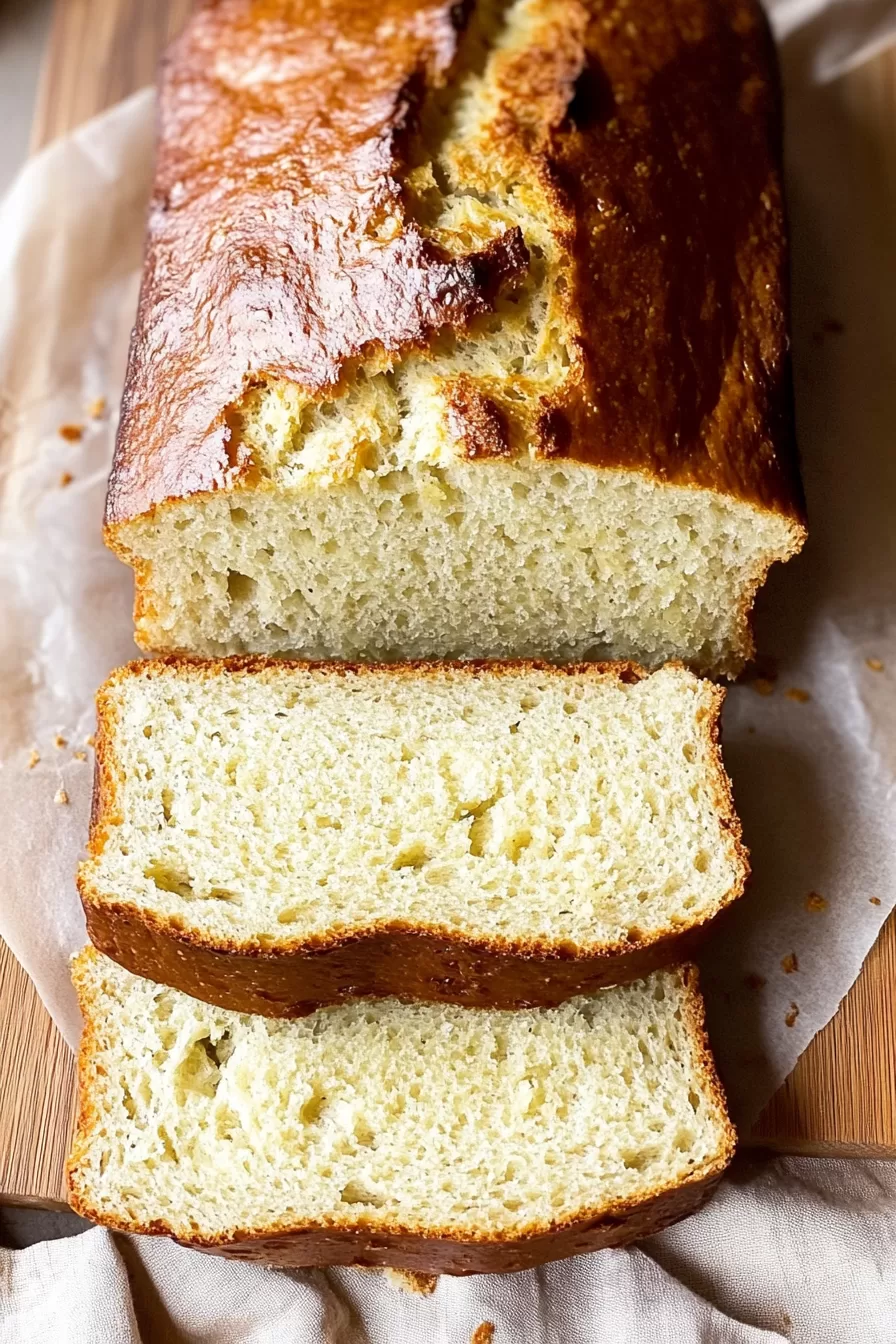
(795, 1249)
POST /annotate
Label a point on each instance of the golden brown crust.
(655, 132)
(384, 958)
(370, 1241)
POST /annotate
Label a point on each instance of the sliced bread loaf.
(271, 836)
(426, 1137)
(492, 363)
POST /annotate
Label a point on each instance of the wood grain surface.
(841, 1098)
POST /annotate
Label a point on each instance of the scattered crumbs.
(411, 1281)
(791, 1015)
(97, 408)
(484, 1333)
(815, 902)
(875, 664)
(60, 741)
(801, 697)
(875, 900)
(91, 741)
(754, 981)
(61, 798)
(80, 756)
(790, 963)
(33, 758)
(71, 433)
(65, 479)
(763, 686)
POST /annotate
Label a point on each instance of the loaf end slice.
(423, 1137)
(273, 836)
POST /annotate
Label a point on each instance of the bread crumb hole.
(240, 588)
(166, 879)
(689, 751)
(414, 856)
(701, 861)
(355, 1193)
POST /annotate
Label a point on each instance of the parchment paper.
(813, 762)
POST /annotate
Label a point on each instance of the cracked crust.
(653, 133)
(367, 1241)
(382, 959)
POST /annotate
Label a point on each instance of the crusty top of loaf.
(284, 241)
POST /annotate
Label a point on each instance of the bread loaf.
(270, 836)
(426, 1137)
(463, 332)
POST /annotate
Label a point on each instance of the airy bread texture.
(426, 1137)
(281, 809)
(455, 559)
(598, 465)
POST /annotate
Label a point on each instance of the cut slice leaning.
(426, 1136)
(271, 836)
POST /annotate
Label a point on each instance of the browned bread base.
(400, 962)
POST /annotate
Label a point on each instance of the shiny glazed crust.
(654, 131)
(421, 1249)
(384, 960)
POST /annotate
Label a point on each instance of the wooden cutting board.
(841, 1098)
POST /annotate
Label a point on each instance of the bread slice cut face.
(422, 1136)
(276, 835)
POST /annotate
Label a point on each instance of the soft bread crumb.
(875, 664)
(65, 479)
(483, 1334)
(875, 900)
(91, 740)
(97, 408)
(79, 756)
(71, 433)
(790, 963)
(791, 1015)
(815, 902)
(801, 697)
(410, 1281)
(208, 1120)
(763, 686)
(60, 742)
(61, 797)
(33, 758)
(583, 808)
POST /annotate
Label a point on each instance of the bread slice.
(271, 836)
(426, 1137)
(506, 375)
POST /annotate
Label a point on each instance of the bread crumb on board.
(33, 758)
(874, 900)
(96, 408)
(754, 981)
(484, 1333)
(790, 963)
(876, 664)
(60, 741)
(61, 798)
(79, 756)
(795, 693)
(815, 902)
(71, 433)
(763, 686)
(411, 1281)
(90, 740)
(65, 479)
(791, 1015)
